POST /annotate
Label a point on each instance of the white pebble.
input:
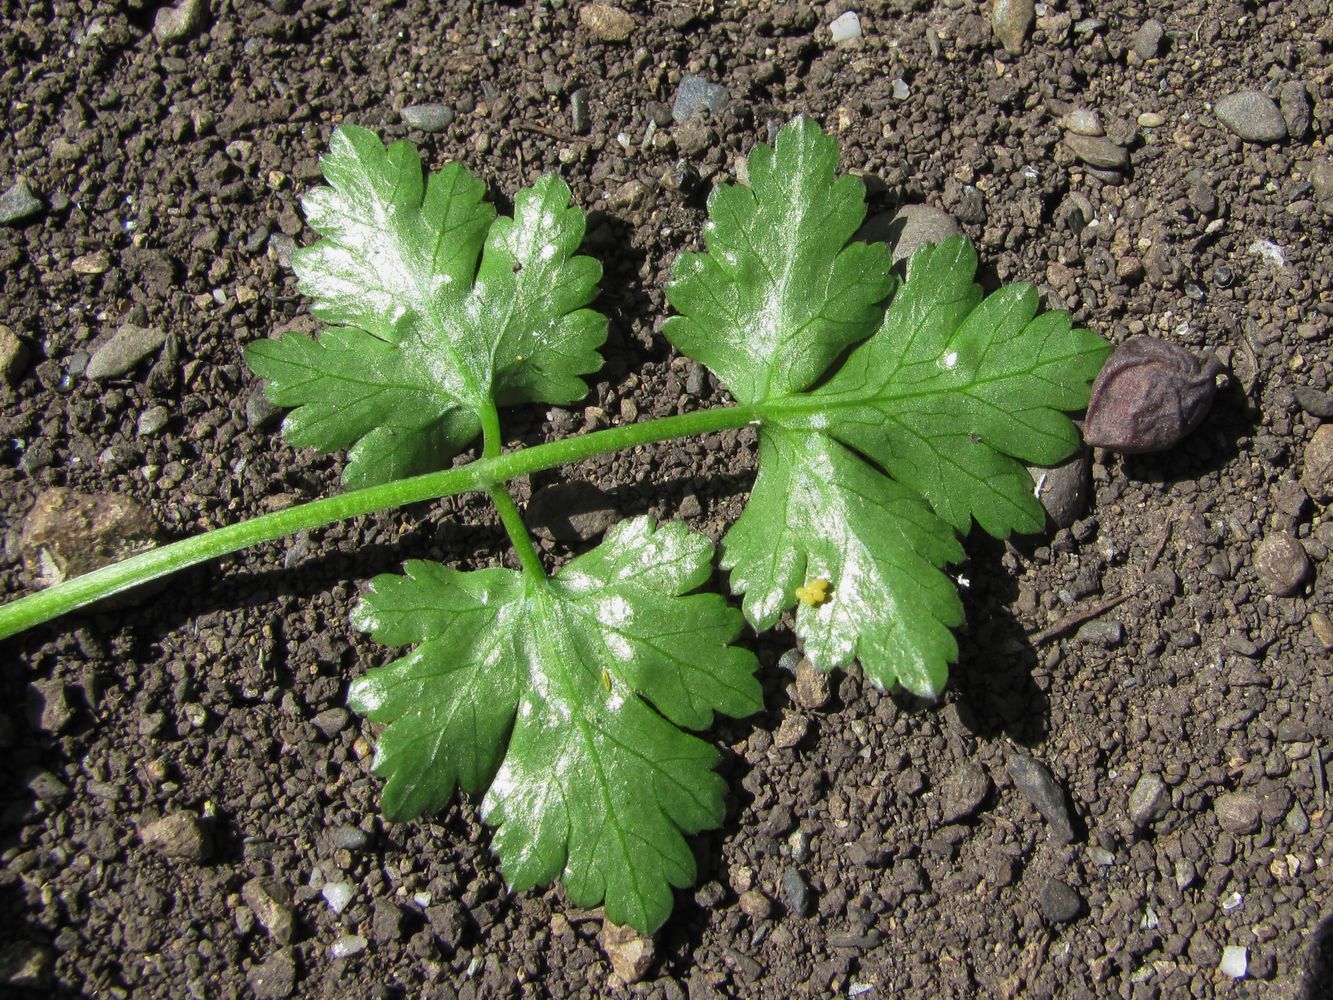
(845, 27)
(337, 895)
(347, 945)
(1234, 962)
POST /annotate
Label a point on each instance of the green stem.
(479, 475)
(504, 501)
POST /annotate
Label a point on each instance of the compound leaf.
(541, 689)
(780, 293)
(441, 311)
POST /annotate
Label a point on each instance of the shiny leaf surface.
(780, 293)
(540, 690)
(439, 310)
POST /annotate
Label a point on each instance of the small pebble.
(275, 977)
(791, 731)
(1185, 873)
(1106, 634)
(694, 96)
(901, 90)
(796, 892)
(1253, 116)
(348, 945)
(630, 953)
(1281, 564)
(579, 118)
(337, 895)
(18, 204)
(1294, 101)
(1148, 801)
(1083, 121)
(1317, 464)
(1064, 491)
(427, 117)
(909, 229)
(271, 904)
(811, 689)
(1098, 151)
(1313, 401)
(129, 345)
(152, 420)
(1058, 902)
(1039, 788)
(1012, 20)
(845, 27)
(755, 905)
(1148, 39)
(605, 22)
(1234, 961)
(1237, 812)
(331, 721)
(178, 835)
(1151, 119)
(174, 24)
(13, 355)
(963, 792)
(349, 838)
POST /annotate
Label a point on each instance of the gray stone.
(349, 838)
(260, 411)
(1012, 20)
(48, 705)
(13, 355)
(572, 512)
(18, 204)
(963, 792)
(152, 420)
(1058, 902)
(909, 229)
(178, 835)
(175, 24)
(386, 922)
(845, 27)
(275, 977)
(347, 946)
(1253, 116)
(1106, 634)
(1294, 101)
(579, 118)
(1149, 801)
(271, 903)
(1321, 179)
(1237, 812)
(427, 117)
(796, 891)
(46, 787)
(331, 721)
(127, 347)
(1314, 401)
(1098, 151)
(1065, 489)
(1034, 781)
(1281, 565)
(695, 95)
(1148, 39)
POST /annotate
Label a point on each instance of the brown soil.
(183, 163)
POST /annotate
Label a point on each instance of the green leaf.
(780, 293)
(440, 311)
(540, 689)
(819, 512)
(954, 392)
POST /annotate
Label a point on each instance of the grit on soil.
(184, 782)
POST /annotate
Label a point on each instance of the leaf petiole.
(483, 474)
